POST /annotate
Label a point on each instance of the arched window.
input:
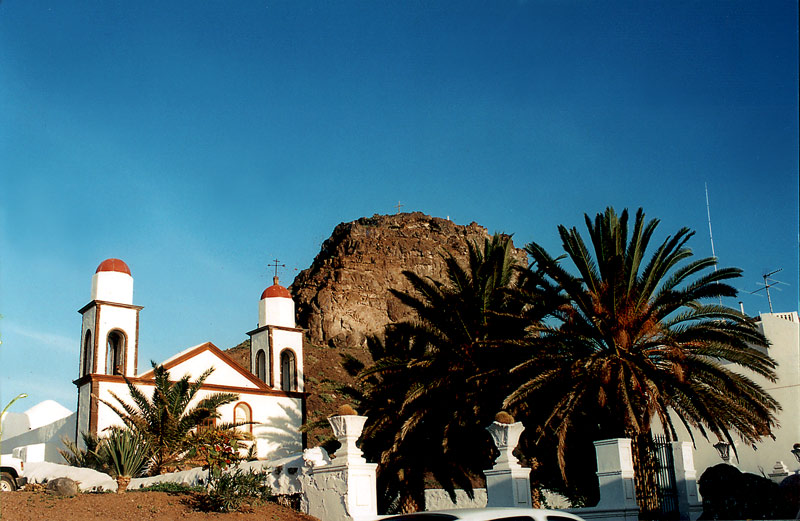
(288, 371)
(88, 354)
(115, 347)
(261, 366)
(243, 413)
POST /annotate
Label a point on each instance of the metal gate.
(665, 477)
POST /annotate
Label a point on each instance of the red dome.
(113, 265)
(276, 290)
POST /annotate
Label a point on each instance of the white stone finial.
(347, 430)
(506, 437)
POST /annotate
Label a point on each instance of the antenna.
(711, 235)
(768, 283)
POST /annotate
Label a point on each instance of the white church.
(271, 393)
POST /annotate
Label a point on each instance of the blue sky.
(199, 140)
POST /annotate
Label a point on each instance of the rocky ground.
(131, 506)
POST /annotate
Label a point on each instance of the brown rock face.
(344, 296)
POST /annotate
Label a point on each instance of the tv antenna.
(768, 283)
(711, 235)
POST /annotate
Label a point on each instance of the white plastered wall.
(106, 417)
(123, 319)
(279, 418)
(785, 349)
(112, 286)
(223, 373)
(276, 311)
(84, 404)
(282, 339)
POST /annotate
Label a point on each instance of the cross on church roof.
(276, 265)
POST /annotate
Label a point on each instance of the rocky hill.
(344, 296)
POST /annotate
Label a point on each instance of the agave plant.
(126, 453)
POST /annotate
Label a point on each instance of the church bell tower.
(109, 337)
(276, 347)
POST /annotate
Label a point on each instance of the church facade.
(271, 392)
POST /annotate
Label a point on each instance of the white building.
(271, 394)
(782, 331)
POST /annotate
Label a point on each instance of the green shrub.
(171, 488)
(234, 491)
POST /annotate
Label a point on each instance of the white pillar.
(615, 474)
(689, 505)
(345, 490)
(508, 484)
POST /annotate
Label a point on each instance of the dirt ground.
(131, 506)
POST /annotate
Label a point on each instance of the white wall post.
(344, 490)
(508, 484)
(615, 474)
(689, 505)
(617, 490)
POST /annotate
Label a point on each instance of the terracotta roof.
(113, 265)
(276, 290)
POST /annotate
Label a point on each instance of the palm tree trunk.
(122, 484)
(410, 502)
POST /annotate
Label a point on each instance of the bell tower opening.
(288, 371)
(88, 355)
(115, 353)
(261, 366)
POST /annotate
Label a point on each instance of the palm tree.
(428, 394)
(635, 338)
(165, 419)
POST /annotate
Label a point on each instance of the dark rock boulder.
(62, 487)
